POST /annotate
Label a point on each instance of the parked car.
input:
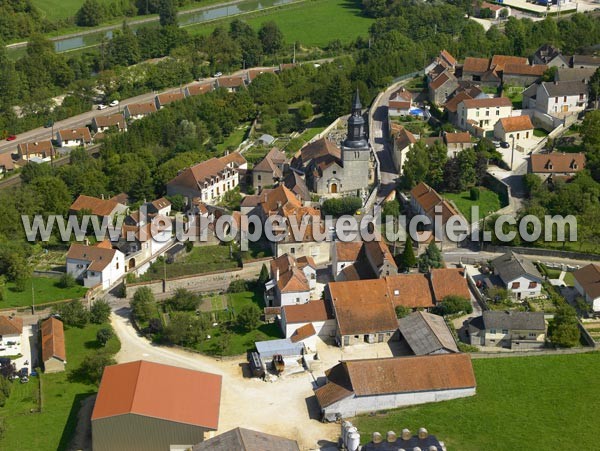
(504, 145)
(101, 107)
(113, 103)
(11, 137)
(218, 74)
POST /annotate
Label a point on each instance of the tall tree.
(167, 11)
(90, 14)
(337, 98)
(271, 37)
(408, 259)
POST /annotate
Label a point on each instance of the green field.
(44, 289)
(488, 201)
(314, 23)
(53, 428)
(233, 141)
(527, 403)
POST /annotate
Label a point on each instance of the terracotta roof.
(429, 199)
(99, 257)
(98, 207)
(499, 61)
(233, 158)
(121, 198)
(401, 94)
(557, 162)
(161, 203)
(311, 311)
(195, 176)
(231, 82)
(7, 162)
(53, 340)
(197, 89)
(165, 99)
(449, 282)
(487, 102)
(362, 307)
(159, 391)
(439, 80)
(448, 57)
(456, 138)
(306, 260)
(141, 109)
(403, 138)
(111, 120)
(240, 439)
(524, 69)
(409, 290)
(492, 6)
(589, 279)
(347, 251)
(76, 133)
(271, 162)
(373, 377)
(253, 73)
(291, 277)
(516, 123)
(476, 64)
(320, 148)
(399, 105)
(452, 104)
(378, 252)
(303, 332)
(273, 200)
(43, 147)
(11, 326)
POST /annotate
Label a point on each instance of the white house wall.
(352, 406)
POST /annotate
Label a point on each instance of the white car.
(218, 74)
(114, 103)
(102, 107)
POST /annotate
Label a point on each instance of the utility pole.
(32, 299)
(512, 157)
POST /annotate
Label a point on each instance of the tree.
(267, 89)
(100, 311)
(416, 165)
(337, 97)
(142, 303)
(594, 84)
(103, 335)
(66, 281)
(184, 300)
(248, 317)
(391, 208)
(73, 313)
(431, 258)
(53, 194)
(271, 37)
(453, 304)
(408, 259)
(184, 328)
(305, 111)
(90, 14)
(563, 329)
(264, 275)
(402, 311)
(339, 206)
(93, 365)
(237, 286)
(167, 12)
(19, 271)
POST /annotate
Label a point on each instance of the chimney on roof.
(277, 275)
(86, 241)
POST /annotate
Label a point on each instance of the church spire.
(356, 126)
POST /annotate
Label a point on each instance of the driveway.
(28, 348)
(286, 407)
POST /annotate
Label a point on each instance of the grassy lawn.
(569, 279)
(200, 260)
(488, 201)
(314, 23)
(44, 289)
(232, 141)
(540, 133)
(61, 9)
(53, 428)
(527, 403)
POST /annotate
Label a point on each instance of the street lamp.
(512, 156)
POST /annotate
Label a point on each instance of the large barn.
(144, 406)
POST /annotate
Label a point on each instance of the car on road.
(218, 74)
(504, 145)
(101, 107)
(11, 137)
(113, 103)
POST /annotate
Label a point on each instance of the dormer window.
(549, 165)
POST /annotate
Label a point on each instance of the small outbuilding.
(240, 439)
(426, 334)
(54, 354)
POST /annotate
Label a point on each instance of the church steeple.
(356, 126)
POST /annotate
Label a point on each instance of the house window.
(555, 99)
(487, 112)
(297, 300)
(346, 340)
(532, 335)
(532, 284)
(259, 177)
(515, 285)
(292, 250)
(492, 331)
(497, 112)
(334, 172)
(117, 265)
(505, 331)
(564, 98)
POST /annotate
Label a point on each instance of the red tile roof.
(452, 104)
(231, 82)
(53, 340)
(456, 138)
(98, 207)
(487, 102)
(32, 148)
(524, 69)
(159, 391)
(557, 162)
(516, 123)
(499, 61)
(7, 162)
(197, 89)
(99, 256)
(303, 332)
(111, 120)
(76, 133)
(11, 326)
(313, 311)
(141, 109)
(589, 279)
(449, 282)
(439, 81)
(165, 99)
(448, 57)
(477, 65)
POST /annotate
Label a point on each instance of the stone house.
(402, 142)
(269, 170)
(400, 103)
(316, 312)
(479, 116)
(101, 124)
(457, 142)
(75, 137)
(292, 281)
(518, 127)
(557, 98)
(359, 260)
(554, 165)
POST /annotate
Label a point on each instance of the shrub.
(141, 304)
(237, 286)
(474, 193)
(100, 311)
(453, 304)
(73, 313)
(563, 330)
(103, 335)
(66, 281)
(248, 317)
(184, 300)
(402, 311)
(339, 206)
(93, 365)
